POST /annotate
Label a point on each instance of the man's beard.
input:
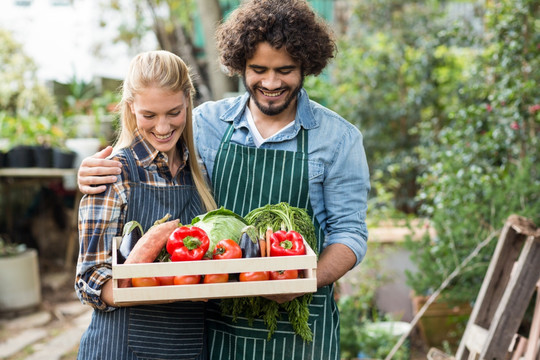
(271, 110)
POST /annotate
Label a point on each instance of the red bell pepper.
(284, 243)
(188, 243)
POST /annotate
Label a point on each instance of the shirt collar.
(147, 154)
(304, 112)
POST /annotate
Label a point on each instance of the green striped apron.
(245, 178)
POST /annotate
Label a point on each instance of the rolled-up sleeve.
(100, 219)
(345, 192)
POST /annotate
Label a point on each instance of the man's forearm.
(334, 262)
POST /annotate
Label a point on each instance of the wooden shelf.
(35, 172)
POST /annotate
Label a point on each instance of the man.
(273, 144)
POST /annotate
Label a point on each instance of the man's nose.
(271, 81)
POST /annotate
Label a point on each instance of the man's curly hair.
(290, 23)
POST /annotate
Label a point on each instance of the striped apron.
(168, 331)
(246, 178)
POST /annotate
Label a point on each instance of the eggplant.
(249, 242)
(131, 233)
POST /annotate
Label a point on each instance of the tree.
(20, 91)
(482, 159)
(173, 24)
(385, 67)
(220, 83)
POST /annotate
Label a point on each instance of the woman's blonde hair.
(167, 71)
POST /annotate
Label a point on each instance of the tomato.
(166, 280)
(284, 274)
(187, 279)
(227, 249)
(255, 276)
(215, 278)
(145, 281)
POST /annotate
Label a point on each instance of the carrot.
(269, 233)
(262, 246)
(150, 244)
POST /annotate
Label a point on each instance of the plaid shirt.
(102, 217)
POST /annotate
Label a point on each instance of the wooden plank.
(513, 234)
(212, 291)
(534, 334)
(515, 300)
(36, 172)
(475, 339)
(158, 294)
(519, 348)
(507, 254)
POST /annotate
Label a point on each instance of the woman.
(160, 175)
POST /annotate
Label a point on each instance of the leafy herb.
(282, 216)
(279, 216)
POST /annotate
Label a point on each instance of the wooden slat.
(534, 334)
(519, 348)
(516, 298)
(475, 339)
(36, 172)
(506, 254)
(160, 294)
(493, 298)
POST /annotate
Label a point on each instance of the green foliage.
(378, 342)
(20, 91)
(30, 130)
(85, 110)
(397, 72)
(450, 119)
(482, 159)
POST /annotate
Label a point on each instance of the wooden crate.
(155, 294)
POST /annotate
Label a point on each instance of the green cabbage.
(220, 224)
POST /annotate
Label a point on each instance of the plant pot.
(442, 321)
(20, 156)
(20, 286)
(43, 156)
(63, 159)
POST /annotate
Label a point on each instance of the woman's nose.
(163, 125)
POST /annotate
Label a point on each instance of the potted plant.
(20, 287)
(20, 132)
(88, 119)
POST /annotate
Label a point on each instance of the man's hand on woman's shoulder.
(97, 171)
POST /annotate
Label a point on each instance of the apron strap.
(133, 174)
(226, 139)
(302, 141)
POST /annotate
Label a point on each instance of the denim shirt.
(338, 169)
